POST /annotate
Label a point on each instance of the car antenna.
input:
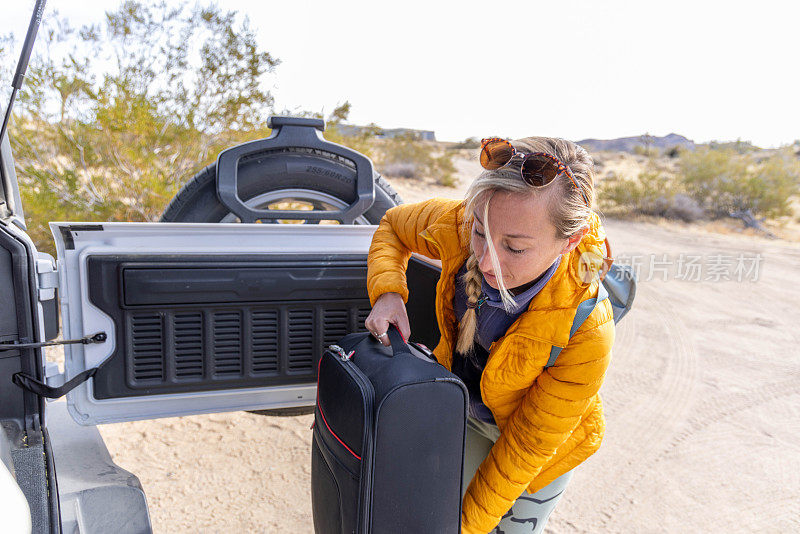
(22, 65)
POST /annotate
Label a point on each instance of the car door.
(204, 317)
(211, 317)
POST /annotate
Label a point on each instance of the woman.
(518, 257)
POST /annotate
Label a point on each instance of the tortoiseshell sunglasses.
(537, 169)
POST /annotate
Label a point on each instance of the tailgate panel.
(204, 317)
(183, 325)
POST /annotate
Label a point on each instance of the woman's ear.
(574, 239)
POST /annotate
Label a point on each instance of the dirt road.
(702, 408)
(703, 394)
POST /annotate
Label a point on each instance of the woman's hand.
(388, 309)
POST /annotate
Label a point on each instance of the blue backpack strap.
(585, 309)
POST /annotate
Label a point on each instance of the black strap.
(43, 390)
(399, 346)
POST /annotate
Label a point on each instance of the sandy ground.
(702, 407)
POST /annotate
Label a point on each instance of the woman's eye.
(515, 251)
(479, 234)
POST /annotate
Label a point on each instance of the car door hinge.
(46, 275)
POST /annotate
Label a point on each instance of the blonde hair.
(567, 209)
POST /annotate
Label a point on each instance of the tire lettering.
(327, 173)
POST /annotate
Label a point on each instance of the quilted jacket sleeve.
(546, 417)
(397, 236)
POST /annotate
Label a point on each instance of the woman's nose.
(484, 258)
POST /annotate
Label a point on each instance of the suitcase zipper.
(344, 356)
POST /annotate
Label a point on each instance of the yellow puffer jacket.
(551, 419)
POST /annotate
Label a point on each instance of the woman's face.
(523, 237)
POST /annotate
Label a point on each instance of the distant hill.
(627, 144)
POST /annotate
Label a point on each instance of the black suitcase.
(388, 445)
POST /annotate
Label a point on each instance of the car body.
(193, 318)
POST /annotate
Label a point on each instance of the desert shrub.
(403, 169)
(738, 146)
(721, 182)
(647, 147)
(726, 182)
(678, 206)
(407, 156)
(469, 142)
(648, 151)
(651, 193)
(448, 179)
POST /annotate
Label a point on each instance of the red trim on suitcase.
(319, 366)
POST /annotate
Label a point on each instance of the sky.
(706, 69)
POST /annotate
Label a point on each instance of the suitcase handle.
(399, 346)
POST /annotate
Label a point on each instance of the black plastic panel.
(9, 325)
(421, 279)
(51, 318)
(17, 406)
(281, 281)
(187, 324)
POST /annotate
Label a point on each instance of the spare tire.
(307, 178)
(310, 178)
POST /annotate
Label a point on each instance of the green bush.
(738, 146)
(651, 193)
(469, 142)
(646, 150)
(720, 182)
(726, 182)
(181, 84)
(409, 157)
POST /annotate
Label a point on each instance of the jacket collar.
(551, 312)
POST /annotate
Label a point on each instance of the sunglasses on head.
(537, 169)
